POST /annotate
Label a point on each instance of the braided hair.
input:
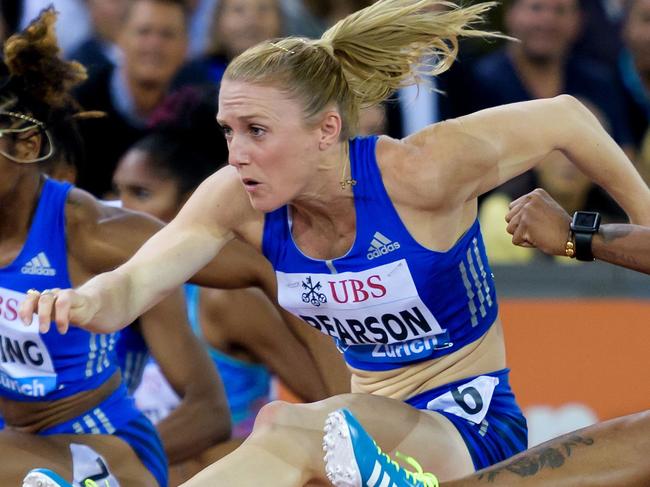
(37, 82)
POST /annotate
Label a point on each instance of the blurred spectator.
(73, 25)
(600, 36)
(540, 66)
(238, 25)
(4, 30)
(100, 49)
(299, 20)
(199, 25)
(10, 13)
(330, 11)
(153, 42)
(634, 71)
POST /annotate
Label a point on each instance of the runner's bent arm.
(109, 301)
(103, 237)
(202, 419)
(460, 159)
(624, 245)
(247, 319)
(537, 220)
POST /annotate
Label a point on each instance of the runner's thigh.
(89, 456)
(427, 436)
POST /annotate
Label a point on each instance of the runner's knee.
(272, 415)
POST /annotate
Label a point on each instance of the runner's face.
(141, 189)
(269, 142)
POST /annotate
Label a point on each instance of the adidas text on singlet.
(48, 366)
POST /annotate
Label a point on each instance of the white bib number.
(470, 401)
(25, 364)
(90, 468)
(377, 305)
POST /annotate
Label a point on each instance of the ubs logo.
(312, 293)
(357, 291)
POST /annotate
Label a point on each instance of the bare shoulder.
(101, 236)
(451, 162)
(81, 207)
(84, 211)
(412, 167)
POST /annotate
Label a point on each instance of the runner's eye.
(257, 131)
(141, 193)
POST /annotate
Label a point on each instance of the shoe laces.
(425, 478)
(92, 483)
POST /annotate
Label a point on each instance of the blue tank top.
(247, 385)
(34, 366)
(389, 301)
(132, 356)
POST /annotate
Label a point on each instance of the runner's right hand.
(61, 306)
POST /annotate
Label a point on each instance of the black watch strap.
(583, 245)
(583, 225)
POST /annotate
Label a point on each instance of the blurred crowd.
(138, 52)
(154, 67)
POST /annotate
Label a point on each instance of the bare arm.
(470, 155)
(202, 419)
(247, 319)
(624, 245)
(238, 265)
(109, 301)
(329, 361)
(536, 220)
(101, 238)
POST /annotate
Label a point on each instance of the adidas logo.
(381, 478)
(39, 266)
(380, 245)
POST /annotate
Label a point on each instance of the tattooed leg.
(612, 453)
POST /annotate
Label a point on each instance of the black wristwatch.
(583, 227)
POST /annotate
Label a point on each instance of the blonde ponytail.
(365, 57)
(389, 44)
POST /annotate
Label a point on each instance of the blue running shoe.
(353, 459)
(42, 477)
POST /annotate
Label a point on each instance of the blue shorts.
(118, 416)
(484, 411)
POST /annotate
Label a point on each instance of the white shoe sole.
(340, 465)
(37, 479)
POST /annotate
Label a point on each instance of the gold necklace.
(345, 182)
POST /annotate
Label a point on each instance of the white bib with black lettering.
(26, 367)
(470, 401)
(377, 305)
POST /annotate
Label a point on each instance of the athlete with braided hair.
(62, 397)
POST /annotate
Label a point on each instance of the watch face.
(585, 221)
